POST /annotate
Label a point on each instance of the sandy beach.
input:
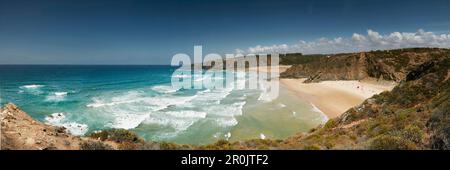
(331, 97)
(335, 97)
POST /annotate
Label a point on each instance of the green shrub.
(117, 135)
(169, 146)
(388, 142)
(413, 133)
(330, 124)
(95, 145)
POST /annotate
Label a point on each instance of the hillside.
(387, 65)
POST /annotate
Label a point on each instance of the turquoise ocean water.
(85, 99)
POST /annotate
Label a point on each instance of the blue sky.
(151, 32)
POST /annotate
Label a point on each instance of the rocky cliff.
(20, 131)
(391, 65)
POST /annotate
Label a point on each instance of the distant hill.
(392, 65)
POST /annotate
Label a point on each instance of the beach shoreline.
(332, 98)
(335, 97)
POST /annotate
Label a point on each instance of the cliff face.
(391, 65)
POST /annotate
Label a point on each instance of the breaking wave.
(59, 119)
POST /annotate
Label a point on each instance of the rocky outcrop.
(20, 131)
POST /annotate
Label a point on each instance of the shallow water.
(140, 98)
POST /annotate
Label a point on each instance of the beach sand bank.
(335, 97)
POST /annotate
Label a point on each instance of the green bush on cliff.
(413, 133)
(117, 135)
(388, 142)
(94, 145)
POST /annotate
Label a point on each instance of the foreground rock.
(20, 131)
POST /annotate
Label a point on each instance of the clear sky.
(151, 32)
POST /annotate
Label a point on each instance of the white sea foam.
(128, 97)
(76, 128)
(126, 120)
(34, 89)
(226, 121)
(130, 109)
(323, 116)
(31, 86)
(186, 114)
(56, 97)
(55, 118)
(262, 136)
(211, 96)
(281, 105)
(181, 76)
(164, 89)
(228, 135)
(133, 97)
(178, 120)
(227, 110)
(60, 93)
(59, 119)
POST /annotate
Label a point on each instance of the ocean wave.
(55, 118)
(59, 119)
(129, 97)
(226, 121)
(132, 108)
(164, 89)
(125, 120)
(57, 97)
(34, 89)
(181, 76)
(31, 86)
(211, 96)
(186, 114)
(323, 117)
(60, 93)
(178, 120)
